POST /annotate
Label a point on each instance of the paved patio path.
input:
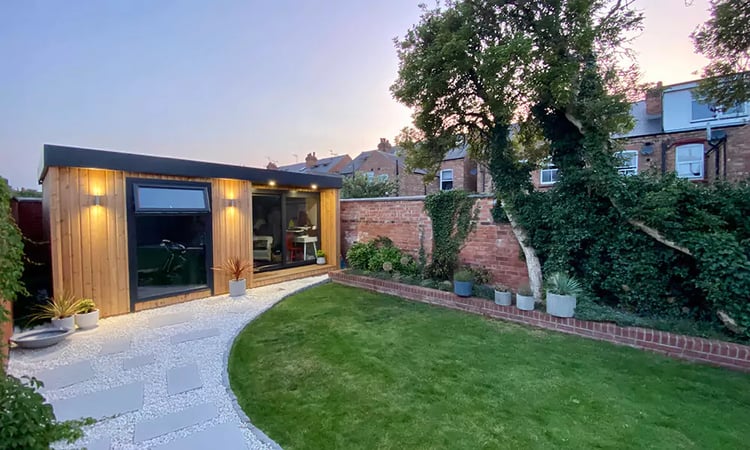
(156, 378)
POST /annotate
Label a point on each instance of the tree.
(725, 40)
(23, 192)
(360, 186)
(471, 70)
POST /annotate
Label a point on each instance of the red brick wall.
(492, 246)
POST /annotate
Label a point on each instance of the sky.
(237, 82)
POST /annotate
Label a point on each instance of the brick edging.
(724, 354)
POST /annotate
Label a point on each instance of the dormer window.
(706, 111)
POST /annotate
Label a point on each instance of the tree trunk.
(533, 266)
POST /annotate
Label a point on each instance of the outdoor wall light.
(272, 183)
(232, 202)
(96, 200)
(314, 186)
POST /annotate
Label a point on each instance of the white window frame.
(681, 162)
(444, 179)
(627, 156)
(550, 169)
(383, 177)
(370, 176)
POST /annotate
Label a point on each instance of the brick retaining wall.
(718, 353)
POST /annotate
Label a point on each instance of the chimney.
(384, 145)
(271, 166)
(653, 100)
(311, 160)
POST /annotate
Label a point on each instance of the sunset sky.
(238, 82)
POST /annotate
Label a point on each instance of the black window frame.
(131, 188)
(181, 186)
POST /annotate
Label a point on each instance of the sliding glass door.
(286, 229)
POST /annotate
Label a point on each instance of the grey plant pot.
(525, 302)
(561, 305)
(67, 323)
(237, 288)
(321, 260)
(462, 288)
(88, 321)
(503, 298)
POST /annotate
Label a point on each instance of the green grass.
(338, 367)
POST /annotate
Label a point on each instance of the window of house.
(689, 161)
(702, 111)
(446, 180)
(370, 176)
(628, 162)
(548, 175)
(383, 177)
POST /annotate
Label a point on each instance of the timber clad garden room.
(135, 232)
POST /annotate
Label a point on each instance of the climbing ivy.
(453, 218)
(11, 253)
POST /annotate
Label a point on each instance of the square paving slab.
(115, 346)
(101, 404)
(138, 361)
(168, 423)
(194, 335)
(100, 444)
(183, 379)
(169, 319)
(224, 436)
(63, 376)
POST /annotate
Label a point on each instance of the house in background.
(313, 165)
(675, 132)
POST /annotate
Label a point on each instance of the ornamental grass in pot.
(525, 298)
(503, 295)
(463, 282)
(87, 316)
(562, 290)
(236, 267)
(60, 310)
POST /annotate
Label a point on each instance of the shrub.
(86, 305)
(360, 254)
(525, 290)
(463, 275)
(27, 421)
(561, 283)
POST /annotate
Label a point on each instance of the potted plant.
(236, 267)
(60, 310)
(321, 257)
(503, 295)
(463, 282)
(562, 290)
(525, 298)
(87, 316)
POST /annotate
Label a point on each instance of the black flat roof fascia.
(64, 156)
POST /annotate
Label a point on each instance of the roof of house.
(323, 166)
(645, 125)
(456, 153)
(62, 156)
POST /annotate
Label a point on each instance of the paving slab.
(170, 319)
(100, 444)
(159, 426)
(115, 346)
(139, 361)
(63, 376)
(194, 335)
(183, 379)
(224, 436)
(101, 404)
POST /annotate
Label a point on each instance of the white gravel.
(229, 315)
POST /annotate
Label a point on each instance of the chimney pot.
(311, 160)
(654, 100)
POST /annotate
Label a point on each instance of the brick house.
(313, 165)
(675, 131)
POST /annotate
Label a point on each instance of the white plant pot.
(67, 323)
(561, 305)
(525, 302)
(237, 288)
(321, 260)
(503, 298)
(88, 321)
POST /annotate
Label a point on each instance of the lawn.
(338, 367)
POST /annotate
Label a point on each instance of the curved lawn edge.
(262, 437)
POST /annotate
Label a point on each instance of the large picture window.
(286, 229)
(169, 238)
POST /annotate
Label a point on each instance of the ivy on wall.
(453, 218)
(11, 252)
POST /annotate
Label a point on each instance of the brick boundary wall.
(724, 354)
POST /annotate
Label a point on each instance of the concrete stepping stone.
(194, 415)
(138, 361)
(194, 335)
(224, 436)
(101, 404)
(169, 319)
(100, 444)
(63, 376)
(116, 346)
(183, 379)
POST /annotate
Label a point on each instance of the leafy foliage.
(11, 252)
(59, 307)
(27, 421)
(86, 305)
(463, 275)
(563, 284)
(359, 186)
(235, 267)
(381, 255)
(453, 219)
(725, 40)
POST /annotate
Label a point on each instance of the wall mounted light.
(231, 202)
(314, 186)
(96, 200)
(271, 183)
